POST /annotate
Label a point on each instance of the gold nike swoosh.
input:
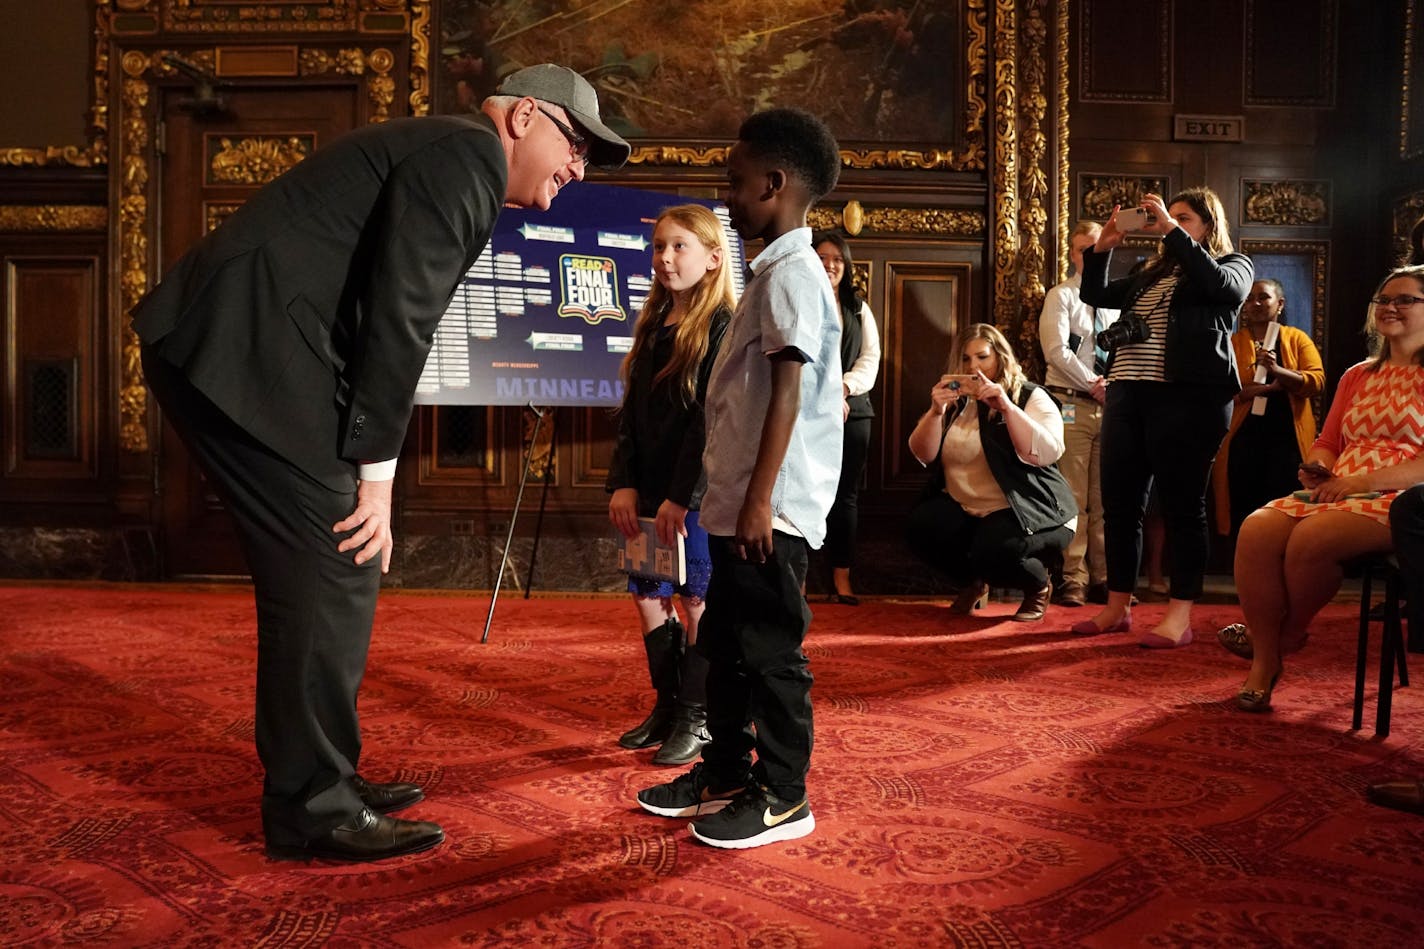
(708, 796)
(771, 820)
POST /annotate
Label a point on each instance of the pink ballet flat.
(1153, 641)
(1089, 628)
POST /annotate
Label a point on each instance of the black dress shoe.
(367, 836)
(387, 798)
(1400, 795)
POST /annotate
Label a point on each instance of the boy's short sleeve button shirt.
(788, 303)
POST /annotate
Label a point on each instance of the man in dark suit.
(285, 348)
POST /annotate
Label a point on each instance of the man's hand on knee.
(370, 524)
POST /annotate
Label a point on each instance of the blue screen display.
(546, 315)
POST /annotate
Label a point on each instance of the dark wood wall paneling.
(1314, 85)
(58, 421)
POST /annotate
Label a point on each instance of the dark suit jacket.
(308, 314)
(1202, 313)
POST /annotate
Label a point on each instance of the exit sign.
(1208, 128)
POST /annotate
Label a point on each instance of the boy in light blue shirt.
(774, 424)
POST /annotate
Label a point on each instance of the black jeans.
(758, 683)
(841, 521)
(993, 548)
(1406, 527)
(1167, 434)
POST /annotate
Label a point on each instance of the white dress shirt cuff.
(377, 470)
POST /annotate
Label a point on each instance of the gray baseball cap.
(563, 87)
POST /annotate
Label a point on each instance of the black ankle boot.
(664, 647)
(689, 734)
(689, 725)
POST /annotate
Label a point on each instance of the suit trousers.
(1164, 434)
(315, 608)
(758, 683)
(1085, 560)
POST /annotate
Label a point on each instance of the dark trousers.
(993, 548)
(758, 683)
(1406, 527)
(842, 519)
(1166, 434)
(315, 608)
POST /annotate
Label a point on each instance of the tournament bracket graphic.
(545, 316)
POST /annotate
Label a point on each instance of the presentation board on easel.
(545, 316)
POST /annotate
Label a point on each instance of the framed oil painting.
(880, 72)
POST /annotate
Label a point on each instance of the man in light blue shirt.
(786, 311)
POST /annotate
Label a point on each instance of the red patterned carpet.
(975, 783)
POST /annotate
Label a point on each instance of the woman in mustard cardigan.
(1258, 461)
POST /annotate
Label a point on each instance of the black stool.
(1392, 649)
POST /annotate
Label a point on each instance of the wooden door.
(208, 166)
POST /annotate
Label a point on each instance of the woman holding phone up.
(1171, 379)
(995, 506)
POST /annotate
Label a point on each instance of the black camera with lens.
(1129, 329)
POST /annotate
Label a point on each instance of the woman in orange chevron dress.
(1290, 552)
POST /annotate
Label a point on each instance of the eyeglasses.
(1399, 302)
(577, 143)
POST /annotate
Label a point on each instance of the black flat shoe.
(844, 599)
(387, 798)
(367, 836)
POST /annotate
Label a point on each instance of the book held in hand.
(642, 556)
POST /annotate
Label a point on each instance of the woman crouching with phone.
(996, 506)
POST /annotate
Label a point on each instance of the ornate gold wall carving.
(223, 16)
(924, 221)
(1408, 149)
(214, 213)
(1408, 210)
(1065, 220)
(380, 88)
(420, 57)
(53, 217)
(1286, 202)
(1099, 193)
(133, 245)
(257, 159)
(1004, 183)
(1033, 181)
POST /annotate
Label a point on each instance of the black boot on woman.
(664, 646)
(689, 728)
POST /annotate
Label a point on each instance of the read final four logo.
(590, 289)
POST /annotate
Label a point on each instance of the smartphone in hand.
(1132, 219)
(959, 382)
(1317, 469)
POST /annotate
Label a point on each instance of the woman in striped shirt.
(1170, 388)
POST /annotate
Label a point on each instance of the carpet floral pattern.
(976, 782)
